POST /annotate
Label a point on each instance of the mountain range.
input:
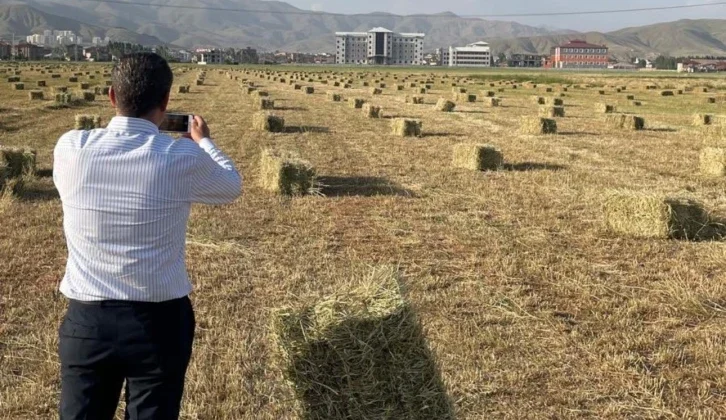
(211, 23)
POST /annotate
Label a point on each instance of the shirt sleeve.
(215, 180)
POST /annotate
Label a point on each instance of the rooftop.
(578, 43)
(380, 29)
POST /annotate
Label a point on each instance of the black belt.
(118, 303)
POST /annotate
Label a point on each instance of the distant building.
(96, 54)
(4, 50)
(578, 54)
(182, 56)
(525, 60)
(209, 56)
(28, 51)
(379, 46)
(477, 54)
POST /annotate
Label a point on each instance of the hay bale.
(375, 91)
(489, 94)
(360, 354)
(477, 157)
(89, 96)
(555, 102)
(87, 122)
(636, 103)
(711, 100)
(41, 83)
(625, 122)
(538, 100)
(465, 97)
(84, 86)
(60, 89)
(334, 97)
(35, 95)
(643, 215)
(285, 173)
(17, 161)
(445, 106)
(356, 103)
(13, 79)
(403, 127)
(55, 76)
(265, 103)
(182, 89)
(630, 97)
(260, 93)
(667, 93)
(63, 98)
(536, 125)
(417, 100)
(702, 119)
(19, 86)
(309, 90)
(492, 102)
(605, 108)
(551, 111)
(371, 111)
(713, 161)
(264, 121)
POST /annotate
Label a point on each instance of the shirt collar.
(132, 125)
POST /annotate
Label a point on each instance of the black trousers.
(103, 344)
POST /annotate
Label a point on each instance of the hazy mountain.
(680, 38)
(23, 20)
(292, 30)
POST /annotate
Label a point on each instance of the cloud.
(316, 7)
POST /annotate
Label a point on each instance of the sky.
(604, 22)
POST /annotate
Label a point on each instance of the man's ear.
(165, 102)
(112, 96)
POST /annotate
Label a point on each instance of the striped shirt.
(127, 191)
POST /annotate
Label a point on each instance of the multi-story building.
(525, 60)
(579, 54)
(209, 56)
(28, 51)
(4, 50)
(379, 46)
(477, 54)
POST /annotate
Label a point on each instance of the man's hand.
(198, 129)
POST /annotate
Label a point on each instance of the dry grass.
(531, 307)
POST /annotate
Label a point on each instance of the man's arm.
(215, 179)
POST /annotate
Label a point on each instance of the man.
(126, 192)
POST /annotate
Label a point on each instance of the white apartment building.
(477, 54)
(209, 56)
(379, 46)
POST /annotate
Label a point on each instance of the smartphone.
(177, 123)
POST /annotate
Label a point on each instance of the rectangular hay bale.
(537, 125)
(643, 215)
(360, 354)
(264, 121)
(285, 173)
(403, 127)
(87, 122)
(625, 121)
(371, 111)
(477, 157)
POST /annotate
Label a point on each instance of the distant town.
(379, 46)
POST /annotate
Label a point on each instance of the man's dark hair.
(141, 81)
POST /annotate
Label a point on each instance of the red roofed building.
(578, 54)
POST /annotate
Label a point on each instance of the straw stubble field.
(530, 306)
